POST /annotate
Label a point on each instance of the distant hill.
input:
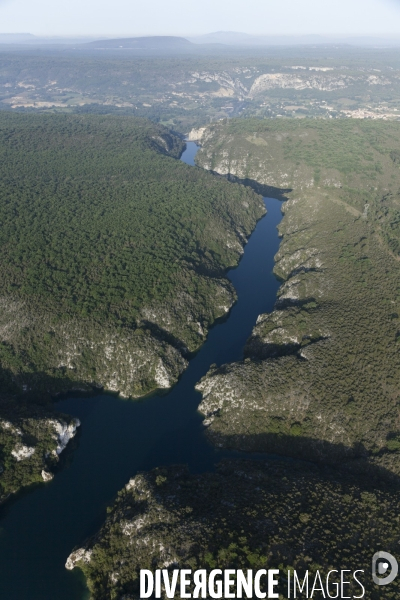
(145, 43)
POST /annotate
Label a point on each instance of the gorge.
(119, 438)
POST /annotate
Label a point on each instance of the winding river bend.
(120, 437)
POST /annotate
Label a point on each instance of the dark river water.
(120, 437)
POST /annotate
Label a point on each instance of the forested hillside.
(113, 255)
(102, 228)
(247, 515)
(322, 371)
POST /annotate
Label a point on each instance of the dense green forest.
(100, 222)
(95, 223)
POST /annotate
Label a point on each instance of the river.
(119, 437)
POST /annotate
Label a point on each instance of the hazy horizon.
(106, 34)
(187, 18)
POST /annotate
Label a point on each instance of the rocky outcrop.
(76, 557)
(227, 82)
(195, 135)
(22, 452)
(324, 82)
(128, 362)
(64, 432)
(32, 440)
(86, 356)
(46, 476)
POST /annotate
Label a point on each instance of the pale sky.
(191, 17)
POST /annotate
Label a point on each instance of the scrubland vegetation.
(247, 515)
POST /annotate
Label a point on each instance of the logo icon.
(382, 562)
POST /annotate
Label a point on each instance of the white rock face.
(323, 82)
(114, 577)
(64, 432)
(131, 527)
(195, 135)
(131, 484)
(22, 452)
(46, 476)
(161, 377)
(7, 425)
(79, 555)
